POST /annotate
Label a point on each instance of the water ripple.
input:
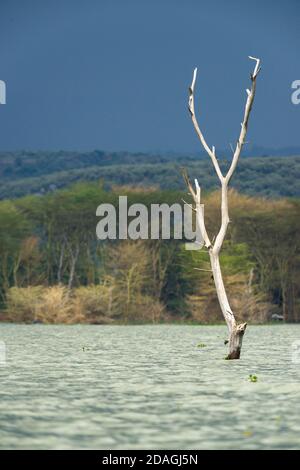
(116, 387)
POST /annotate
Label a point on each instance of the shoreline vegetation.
(145, 323)
(54, 270)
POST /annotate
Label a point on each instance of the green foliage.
(14, 228)
(236, 258)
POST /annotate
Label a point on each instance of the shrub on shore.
(86, 304)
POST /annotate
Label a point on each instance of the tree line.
(53, 268)
(23, 173)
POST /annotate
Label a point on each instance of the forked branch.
(196, 194)
(212, 153)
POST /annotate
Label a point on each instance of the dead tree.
(236, 331)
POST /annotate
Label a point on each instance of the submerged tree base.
(236, 340)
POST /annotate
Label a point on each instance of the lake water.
(151, 387)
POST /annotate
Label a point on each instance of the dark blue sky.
(113, 74)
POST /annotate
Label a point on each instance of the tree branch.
(244, 124)
(199, 210)
(224, 194)
(211, 152)
(187, 182)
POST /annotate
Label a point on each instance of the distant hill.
(24, 173)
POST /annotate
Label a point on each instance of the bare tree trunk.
(74, 258)
(250, 281)
(15, 270)
(60, 263)
(110, 300)
(236, 331)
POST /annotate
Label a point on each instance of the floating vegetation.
(253, 378)
(247, 433)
